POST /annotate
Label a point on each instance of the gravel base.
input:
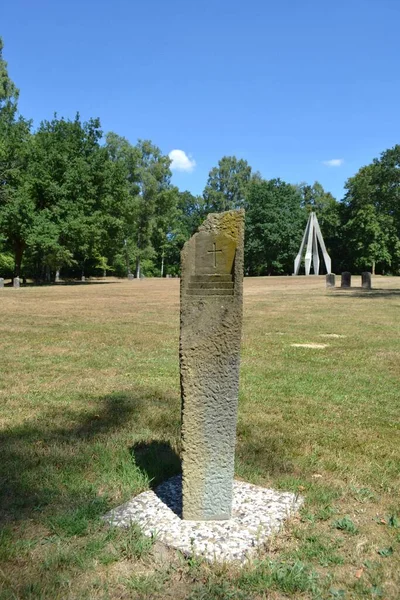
(257, 513)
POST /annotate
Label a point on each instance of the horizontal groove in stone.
(210, 292)
(211, 285)
(211, 277)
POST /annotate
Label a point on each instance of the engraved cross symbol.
(214, 251)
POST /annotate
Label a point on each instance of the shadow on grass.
(362, 293)
(157, 460)
(66, 461)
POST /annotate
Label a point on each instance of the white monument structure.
(312, 236)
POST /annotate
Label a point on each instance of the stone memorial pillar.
(83, 279)
(57, 279)
(130, 277)
(330, 280)
(1, 282)
(210, 333)
(16, 282)
(366, 280)
(346, 280)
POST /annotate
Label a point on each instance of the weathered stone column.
(366, 280)
(346, 280)
(1, 282)
(330, 280)
(211, 324)
(16, 282)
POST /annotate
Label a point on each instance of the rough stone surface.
(346, 280)
(130, 276)
(366, 280)
(257, 513)
(211, 323)
(330, 280)
(16, 282)
(1, 282)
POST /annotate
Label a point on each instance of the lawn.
(90, 416)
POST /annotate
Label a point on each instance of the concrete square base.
(257, 513)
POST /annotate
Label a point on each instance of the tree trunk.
(57, 279)
(138, 268)
(18, 254)
(162, 265)
(373, 267)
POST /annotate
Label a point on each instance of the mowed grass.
(90, 416)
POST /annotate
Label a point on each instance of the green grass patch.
(90, 416)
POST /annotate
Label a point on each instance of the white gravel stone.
(257, 513)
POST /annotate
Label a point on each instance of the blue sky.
(288, 85)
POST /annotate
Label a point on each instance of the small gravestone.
(330, 280)
(1, 282)
(346, 280)
(16, 282)
(211, 324)
(366, 280)
(130, 277)
(83, 279)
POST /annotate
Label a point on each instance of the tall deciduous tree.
(275, 223)
(15, 210)
(372, 213)
(227, 185)
(150, 199)
(74, 192)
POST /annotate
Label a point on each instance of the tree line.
(76, 200)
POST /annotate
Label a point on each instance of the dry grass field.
(89, 416)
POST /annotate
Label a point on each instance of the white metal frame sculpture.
(312, 236)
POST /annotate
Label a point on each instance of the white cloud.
(334, 162)
(181, 161)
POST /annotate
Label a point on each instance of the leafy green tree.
(71, 198)
(372, 239)
(275, 222)
(8, 91)
(15, 208)
(184, 219)
(227, 185)
(150, 198)
(371, 214)
(316, 199)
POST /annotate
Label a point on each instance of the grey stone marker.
(366, 280)
(1, 282)
(330, 280)
(57, 279)
(83, 278)
(346, 280)
(16, 282)
(210, 333)
(130, 277)
(205, 513)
